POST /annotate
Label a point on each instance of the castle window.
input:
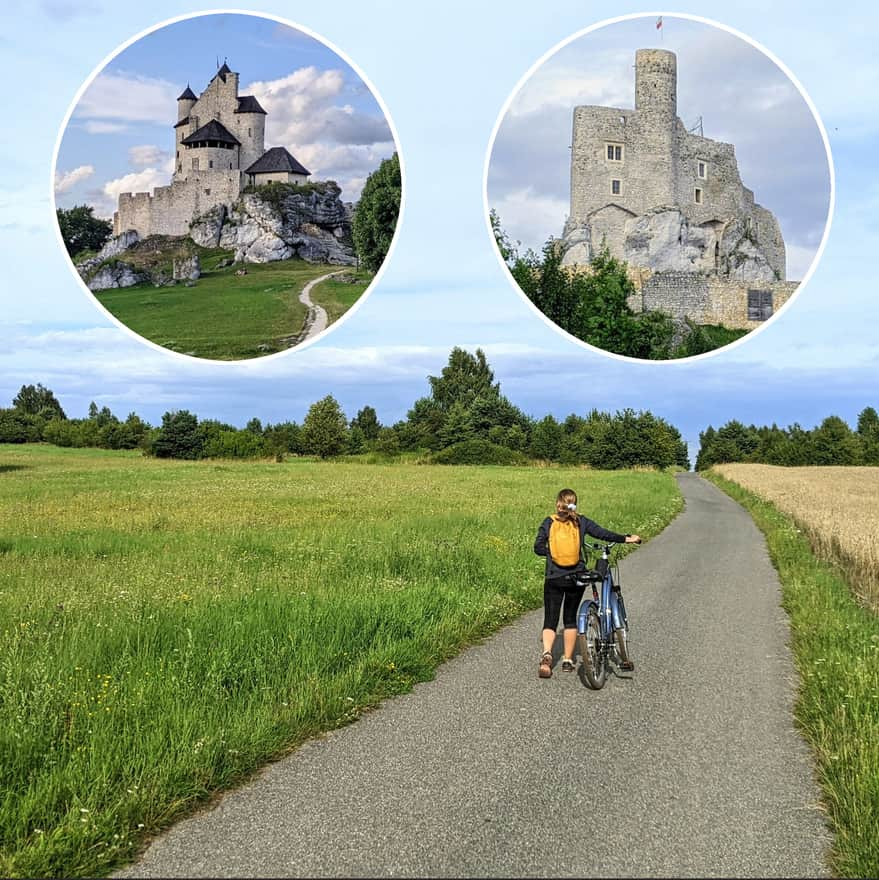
(698, 196)
(230, 166)
(615, 152)
(703, 170)
(207, 192)
(180, 167)
(210, 163)
(250, 132)
(615, 187)
(759, 305)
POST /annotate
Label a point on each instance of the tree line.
(464, 419)
(832, 442)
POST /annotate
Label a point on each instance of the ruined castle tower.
(219, 149)
(661, 197)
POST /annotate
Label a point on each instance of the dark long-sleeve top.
(587, 527)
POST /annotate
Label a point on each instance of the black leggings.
(556, 591)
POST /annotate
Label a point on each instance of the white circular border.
(809, 103)
(302, 29)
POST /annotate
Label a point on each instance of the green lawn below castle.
(225, 316)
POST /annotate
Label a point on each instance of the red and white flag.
(659, 23)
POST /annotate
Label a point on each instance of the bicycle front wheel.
(593, 660)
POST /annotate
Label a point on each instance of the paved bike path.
(690, 766)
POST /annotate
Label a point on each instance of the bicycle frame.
(608, 607)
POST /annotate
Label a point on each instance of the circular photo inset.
(227, 186)
(658, 188)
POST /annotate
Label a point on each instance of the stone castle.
(219, 142)
(671, 203)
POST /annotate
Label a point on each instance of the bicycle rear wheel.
(593, 664)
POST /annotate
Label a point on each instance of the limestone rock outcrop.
(664, 239)
(186, 268)
(114, 275)
(311, 223)
(114, 246)
(205, 230)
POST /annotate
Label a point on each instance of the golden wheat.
(837, 507)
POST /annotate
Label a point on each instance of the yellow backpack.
(564, 542)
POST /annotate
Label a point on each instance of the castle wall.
(171, 209)
(208, 159)
(277, 177)
(708, 299)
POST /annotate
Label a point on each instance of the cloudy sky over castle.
(120, 137)
(742, 97)
(444, 75)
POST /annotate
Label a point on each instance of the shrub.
(478, 451)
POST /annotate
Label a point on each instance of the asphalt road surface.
(690, 766)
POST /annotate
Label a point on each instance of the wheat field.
(837, 507)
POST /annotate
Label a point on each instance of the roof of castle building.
(276, 159)
(188, 95)
(184, 121)
(249, 104)
(223, 71)
(213, 131)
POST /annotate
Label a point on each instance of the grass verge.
(338, 296)
(224, 316)
(167, 627)
(836, 649)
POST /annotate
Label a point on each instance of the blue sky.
(444, 72)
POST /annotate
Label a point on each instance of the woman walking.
(560, 539)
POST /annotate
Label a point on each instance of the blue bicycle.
(602, 626)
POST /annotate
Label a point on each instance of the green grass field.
(224, 316)
(835, 643)
(338, 296)
(168, 626)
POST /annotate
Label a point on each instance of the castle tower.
(249, 125)
(656, 101)
(185, 103)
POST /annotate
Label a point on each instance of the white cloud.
(137, 181)
(129, 97)
(526, 215)
(568, 86)
(307, 114)
(93, 127)
(105, 199)
(66, 180)
(149, 155)
(303, 108)
(799, 259)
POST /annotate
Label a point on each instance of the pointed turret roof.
(213, 131)
(276, 159)
(223, 71)
(249, 104)
(188, 95)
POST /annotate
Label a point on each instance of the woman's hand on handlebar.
(633, 539)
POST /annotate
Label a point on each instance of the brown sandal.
(545, 668)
